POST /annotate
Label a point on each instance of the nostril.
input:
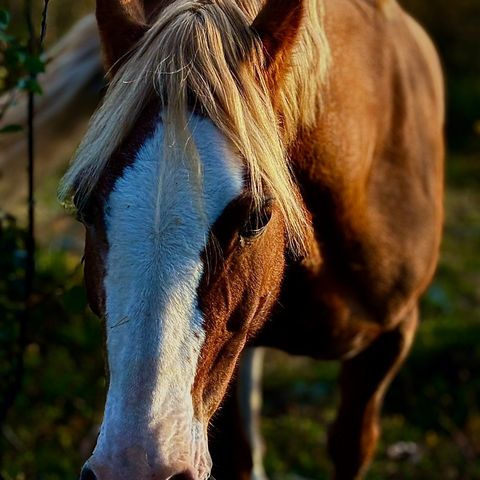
(183, 476)
(87, 474)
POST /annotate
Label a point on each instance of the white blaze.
(156, 234)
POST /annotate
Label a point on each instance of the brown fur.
(370, 176)
(125, 22)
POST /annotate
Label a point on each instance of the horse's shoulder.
(378, 147)
(379, 52)
(429, 58)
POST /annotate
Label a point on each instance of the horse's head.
(189, 211)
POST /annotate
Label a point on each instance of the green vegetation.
(20, 64)
(454, 28)
(63, 384)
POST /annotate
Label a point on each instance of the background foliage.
(432, 413)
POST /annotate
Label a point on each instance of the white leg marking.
(250, 399)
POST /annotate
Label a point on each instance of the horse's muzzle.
(88, 474)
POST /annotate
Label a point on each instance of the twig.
(43, 30)
(16, 386)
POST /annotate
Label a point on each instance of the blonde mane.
(207, 52)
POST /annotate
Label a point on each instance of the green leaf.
(11, 129)
(5, 37)
(30, 85)
(14, 56)
(4, 18)
(34, 65)
(21, 54)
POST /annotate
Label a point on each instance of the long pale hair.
(207, 53)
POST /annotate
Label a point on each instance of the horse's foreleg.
(235, 442)
(250, 402)
(364, 380)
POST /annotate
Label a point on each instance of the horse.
(260, 173)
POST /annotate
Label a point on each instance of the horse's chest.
(316, 316)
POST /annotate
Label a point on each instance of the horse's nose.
(87, 474)
(183, 476)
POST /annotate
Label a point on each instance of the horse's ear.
(152, 8)
(121, 23)
(278, 24)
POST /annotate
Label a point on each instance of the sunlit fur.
(205, 55)
(386, 6)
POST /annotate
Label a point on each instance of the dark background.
(432, 414)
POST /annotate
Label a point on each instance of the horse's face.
(182, 285)
(182, 266)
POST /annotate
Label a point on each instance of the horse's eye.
(257, 221)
